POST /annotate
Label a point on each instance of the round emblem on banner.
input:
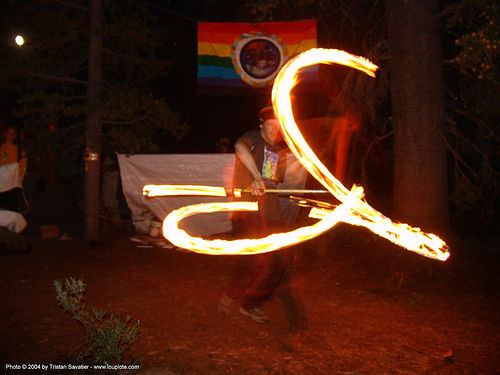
(258, 57)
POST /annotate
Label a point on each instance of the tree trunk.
(93, 131)
(416, 83)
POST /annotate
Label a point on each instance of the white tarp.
(186, 169)
(10, 179)
(175, 169)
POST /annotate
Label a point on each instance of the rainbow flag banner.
(249, 55)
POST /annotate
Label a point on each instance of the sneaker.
(255, 313)
(225, 304)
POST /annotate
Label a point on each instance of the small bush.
(106, 336)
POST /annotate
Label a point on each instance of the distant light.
(19, 40)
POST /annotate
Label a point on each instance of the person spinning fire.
(260, 164)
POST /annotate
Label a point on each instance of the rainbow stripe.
(215, 41)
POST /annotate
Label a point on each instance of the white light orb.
(19, 40)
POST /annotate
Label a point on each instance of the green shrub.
(106, 336)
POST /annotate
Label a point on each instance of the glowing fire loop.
(353, 209)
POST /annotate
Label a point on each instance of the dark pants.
(255, 277)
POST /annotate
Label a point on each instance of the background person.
(10, 152)
(12, 203)
(13, 168)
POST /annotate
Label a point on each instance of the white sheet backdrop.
(187, 169)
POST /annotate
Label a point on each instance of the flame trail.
(353, 209)
(363, 214)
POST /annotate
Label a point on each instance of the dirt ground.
(372, 308)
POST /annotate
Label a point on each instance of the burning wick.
(353, 209)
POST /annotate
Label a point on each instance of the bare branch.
(130, 122)
(72, 5)
(44, 136)
(449, 9)
(374, 141)
(60, 79)
(458, 159)
(120, 55)
(171, 12)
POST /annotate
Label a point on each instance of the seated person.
(12, 169)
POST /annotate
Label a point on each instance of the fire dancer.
(260, 164)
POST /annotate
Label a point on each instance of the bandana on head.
(266, 113)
